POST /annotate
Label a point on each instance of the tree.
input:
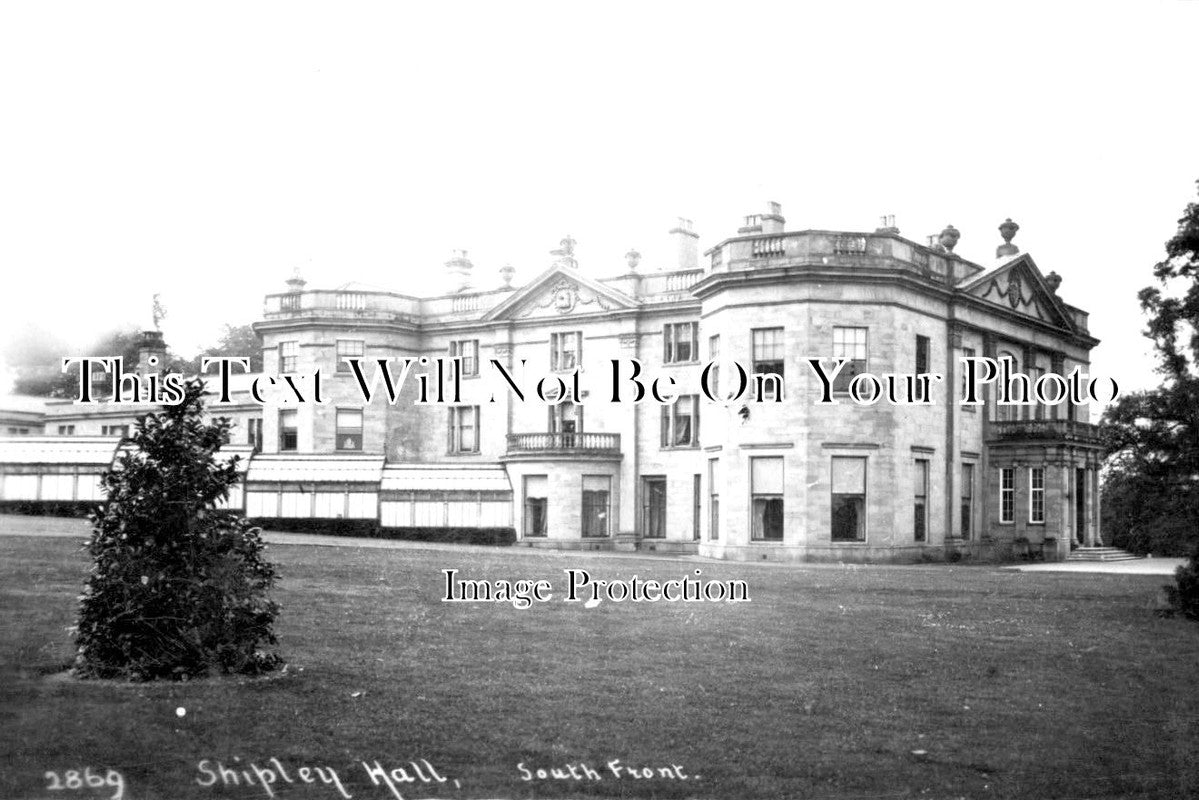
(1151, 492)
(178, 588)
(238, 341)
(38, 360)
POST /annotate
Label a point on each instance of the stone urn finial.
(633, 258)
(506, 273)
(949, 237)
(1053, 280)
(1007, 230)
(296, 283)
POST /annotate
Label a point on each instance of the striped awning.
(77, 450)
(445, 477)
(293, 468)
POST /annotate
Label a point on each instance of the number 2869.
(74, 780)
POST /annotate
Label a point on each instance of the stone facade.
(800, 290)
(746, 479)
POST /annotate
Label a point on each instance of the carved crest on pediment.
(564, 297)
(1014, 293)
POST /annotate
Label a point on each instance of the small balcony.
(604, 446)
(1045, 430)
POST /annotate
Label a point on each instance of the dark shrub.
(1184, 595)
(177, 588)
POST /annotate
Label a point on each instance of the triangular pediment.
(1019, 286)
(559, 292)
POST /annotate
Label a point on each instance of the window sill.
(679, 447)
(691, 363)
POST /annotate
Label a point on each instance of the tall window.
(566, 350)
(681, 342)
(967, 352)
(287, 357)
(849, 343)
(288, 431)
(536, 494)
(464, 429)
(680, 422)
(1038, 410)
(1007, 412)
(697, 510)
(597, 491)
(349, 348)
(653, 507)
(922, 345)
(714, 499)
(922, 358)
(1036, 494)
(766, 498)
(349, 429)
(254, 433)
(714, 356)
(468, 351)
(849, 499)
(769, 357)
(920, 506)
(967, 499)
(1007, 494)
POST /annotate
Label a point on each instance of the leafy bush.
(1184, 596)
(177, 587)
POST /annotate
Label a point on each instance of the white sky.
(204, 151)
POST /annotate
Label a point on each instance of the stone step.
(1101, 554)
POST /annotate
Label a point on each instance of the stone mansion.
(773, 474)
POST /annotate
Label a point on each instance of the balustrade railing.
(564, 442)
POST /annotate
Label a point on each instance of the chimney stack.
(772, 220)
(458, 269)
(686, 243)
(887, 225)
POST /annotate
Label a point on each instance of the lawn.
(927, 681)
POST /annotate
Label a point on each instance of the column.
(629, 465)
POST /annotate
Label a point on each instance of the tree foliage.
(238, 341)
(1151, 492)
(38, 361)
(177, 588)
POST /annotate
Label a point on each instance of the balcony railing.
(583, 443)
(1045, 430)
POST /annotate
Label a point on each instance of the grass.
(825, 685)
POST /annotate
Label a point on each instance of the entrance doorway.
(653, 507)
(566, 419)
